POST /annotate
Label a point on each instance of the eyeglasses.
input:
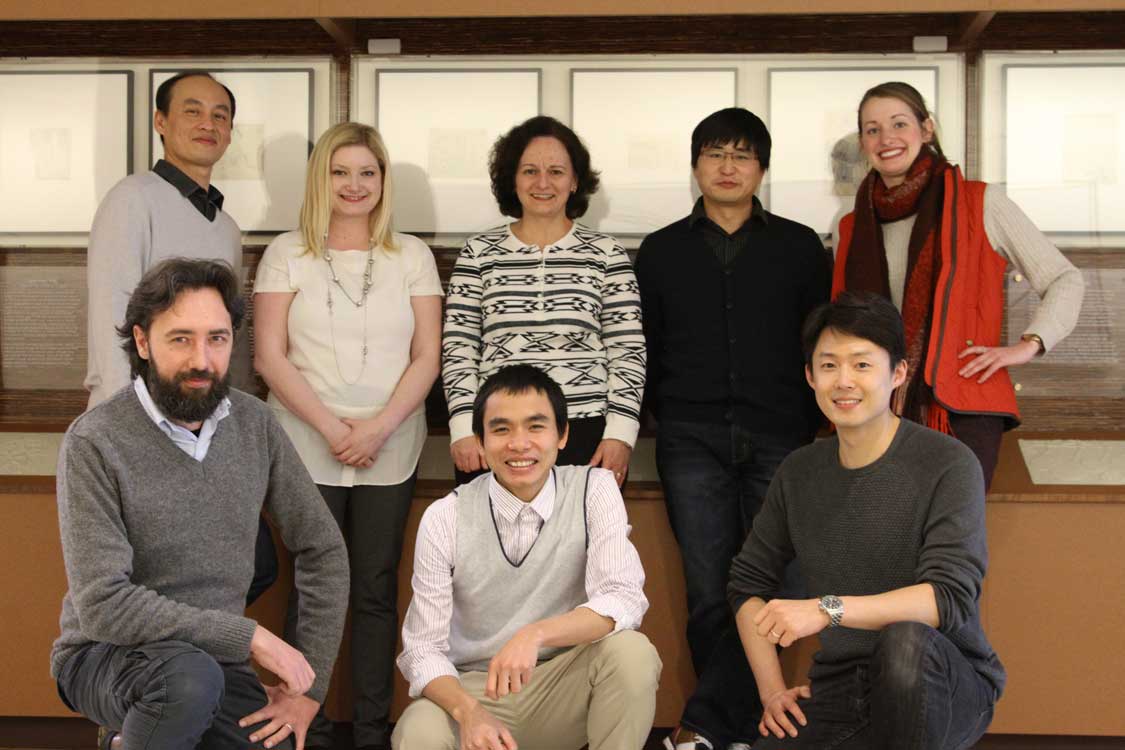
(718, 155)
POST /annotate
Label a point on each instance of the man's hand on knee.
(510, 670)
(283, 660)
(480, 730)
(285, 715)
(776, 709)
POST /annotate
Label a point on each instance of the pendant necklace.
(359, 303)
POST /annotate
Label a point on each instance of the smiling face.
(521, 440)
(853, 380)
(728, 175)
(357, 181)
(545, 178)
(196, 129)
(892, 136)
(188, 349)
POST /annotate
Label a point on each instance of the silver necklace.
(360, 303)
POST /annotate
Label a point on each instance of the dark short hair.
(733, 125)
(161, 286)
(164, 91)
(516, 379)
(504, 161)
(865, 315)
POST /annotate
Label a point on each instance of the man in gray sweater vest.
(159, 491)
(886, 520)
(527, 593)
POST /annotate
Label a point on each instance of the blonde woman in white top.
(348, 337)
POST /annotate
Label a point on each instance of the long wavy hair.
(316, 210)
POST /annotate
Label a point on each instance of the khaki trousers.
(601, 693)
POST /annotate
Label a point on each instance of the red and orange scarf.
(921, 193)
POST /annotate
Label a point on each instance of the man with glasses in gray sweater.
(159, 492)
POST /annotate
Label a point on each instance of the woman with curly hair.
(547, 291)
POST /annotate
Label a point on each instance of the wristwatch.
(1034, 337)
(833, 606)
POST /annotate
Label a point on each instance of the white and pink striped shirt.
(614, 576)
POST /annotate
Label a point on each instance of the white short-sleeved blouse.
(327, 350)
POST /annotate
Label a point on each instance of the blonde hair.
(316, 210)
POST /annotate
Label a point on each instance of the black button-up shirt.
(726, 246)
(209, 202)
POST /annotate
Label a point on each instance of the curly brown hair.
(504, 161)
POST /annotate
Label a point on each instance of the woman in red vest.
(938, 246)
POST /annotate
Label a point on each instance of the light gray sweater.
(159, 546)
(140, 222)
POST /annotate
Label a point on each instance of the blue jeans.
(715, 478)
(166, 694)
(918, 692)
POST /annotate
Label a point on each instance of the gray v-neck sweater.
(159, 546)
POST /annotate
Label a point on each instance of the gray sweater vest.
(493, 596)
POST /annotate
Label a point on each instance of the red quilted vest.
(968, 304)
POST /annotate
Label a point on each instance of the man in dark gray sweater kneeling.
(886, 519)
(159, 492)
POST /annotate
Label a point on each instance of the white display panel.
(1064, 150)
(637, 125)
(439, 126)
(65, 139)
(636, 114)
(816, 163)
(262, 174)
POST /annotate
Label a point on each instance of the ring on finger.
(774, 634)
(289, 727)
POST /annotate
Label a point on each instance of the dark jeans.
(167, 695)
(715, 478)
(582, 441)
(372, 519)
(918, 692)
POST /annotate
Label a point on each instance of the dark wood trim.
(342, 31)
(970, 29)
(660, 34)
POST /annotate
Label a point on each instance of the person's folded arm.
(615, 577)
(425, 629)
(320, 558)
(954, 553)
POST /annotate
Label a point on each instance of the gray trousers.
(167, 695)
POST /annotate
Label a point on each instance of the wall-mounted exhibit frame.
(816, 163)
(636, 114)
(282, 107)
(633, 121)
(1053, 133)
(119, 122)
(442, 123)
(66, 136)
